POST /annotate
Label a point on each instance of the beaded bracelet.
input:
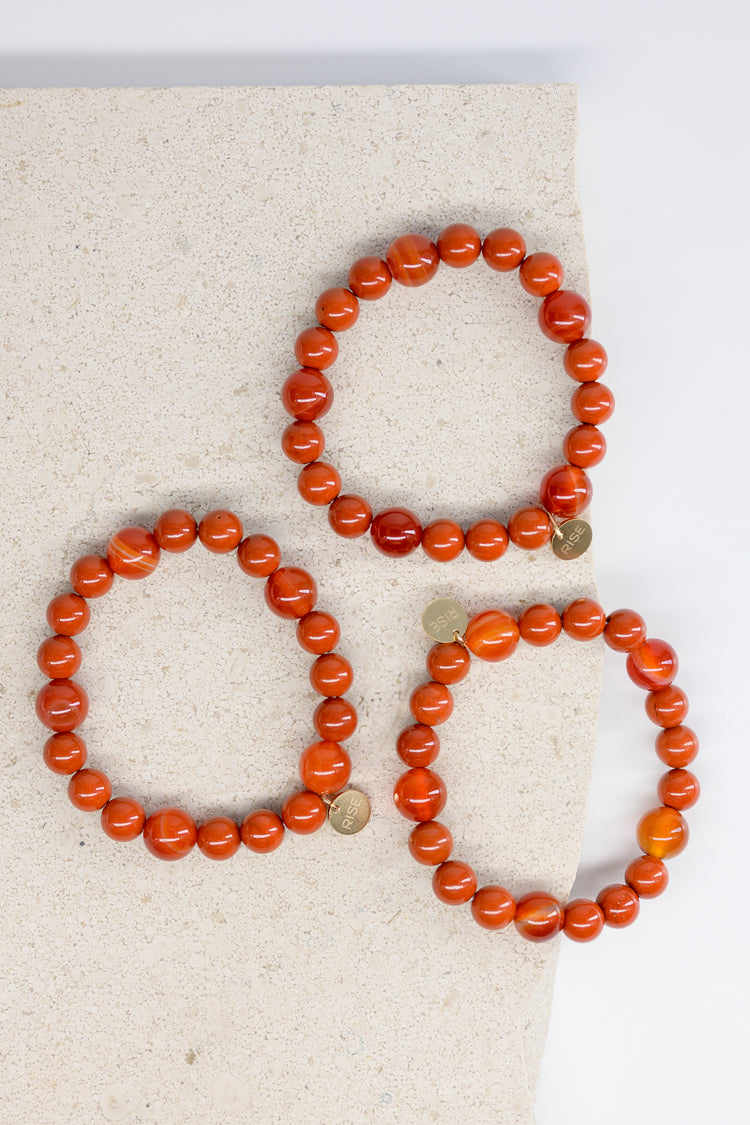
(564, 316)
(420, 794)
(62, 704)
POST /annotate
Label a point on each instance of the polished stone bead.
(396, 531)
(175, 530)
(331, 674)
(122, 818)
(412, 259)
(538, 916)
(647, 876)
(566, 491)
(335, 719)
(418, 745)
(431, 703)
(492, 635)
(304, 812)
(258, 555)
(487, 540)
(290, 592)
(540, 625)
(625, 630)
(370, 278)
(541, 274)
(584, 920)
(319, 483)
(529, 528)
(307, 394)
(170, 833)
(316, 347)
(448, 663)
(430, 843)
(337, 309)
(68, 615)
(325, 767)
(679, 789)
(350, 516)
(133, 552)
(662, 832)
(584, 619)
(564, 316)
(318, 632)
(220, 531)
(677, 746)
(667, 706)
(218, 838)
(619, 905)
(585, 360)
(262, 831)
(62, 705)
(443, 540)
(419, 794)
(503, 249)
(303, 442)
(459, 245)
(492, 907)
(91, 576)
(64, 753)
(89, 789)
(653, 664)
(58, 657)
(593, 403)
(454, 882)
(584, 446)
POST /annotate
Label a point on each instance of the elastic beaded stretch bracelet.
(62, 704)
(420, 794)
(564, 316)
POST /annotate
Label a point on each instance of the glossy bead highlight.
(662, 832)
(262, 831)
(492, 635)
(459, 245)
(307, 394)
(133, 553)
(68, 615)
(430, 843)
(493, 908)
(62, 705)
(175, 531)
(538, 917)
(396, 532)
(170, 834)
(220, 531)
(419, 794)
(412, 259)
(91, 576)
(565, 316)
(290, 592)
(454, 882)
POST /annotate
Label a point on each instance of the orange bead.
(350, 516)
(318, 632)
(584, 619)
(307, 394)
(331, 674)
(412, 259)
(316, 347)
(290, 592)
(459, 245)
(335, 719)
(653, 664)
(448, 663)
(318, 483)
(218, 838)
(337, 309)
(325, 767)
(396, 531)
(584, 446)
(58, 657)
(565, 491)
(62, 705)
(593, 403)
(304, 812)
(678, 789)
(619, 905)
(662, 832)
(503, 249)
(258, 555)
(370, 278)
(64, 753)
(625, 630)
(677, 746)
(430, 843)
(492, 907)
(68, 614)
(431, 703)
(538, 916)
(262, 831)
(584, 920)
(220, 531)
(487, 540)
(541, 274)
(419, 794)
(418, 745)
(443, 540)
(89, 789)
(492, 635)
(123, 818)
(667, 706)
(91, 576)
(564, 316)
(454, 882)
(133, 553)
(647, 876)
(170, 833)
(530, 528)
(585, 360)
(540, 625)
(303, 442)
(175, 530)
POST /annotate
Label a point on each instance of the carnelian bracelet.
(564, 316)
(62, 704)
(420, 794)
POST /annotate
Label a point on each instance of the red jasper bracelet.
(62, 704)
(420, 794)
(564, 316)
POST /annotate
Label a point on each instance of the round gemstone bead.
(653, 664)
(492, 907)
(431, 703)
(396, 531)
(218, 838)
(304, 812)
(540, 625)
(459, 245)
(62, 705)
(331, 674)
(290, 592)
(584, 619)
(667, 706)
(262, 831)
(68, 615)
(538, 916)
(677, 746)
(584, 920)
(89, 789)
(58, 657)
(430, 843)
(647, 876)
(122, 819)
(564, 316)
(324, 767)
(487, 540)
(318, 483)
(318, 632)
(625, 630)
(307, 394)
(303, 442)
(593, 403)
(220, 531)
(418, 745)
(585, 360)
(316, 347)
(133, 552)
(350, 516)
(679, 789)
(454, 882)
(584, 446)
(175, 530)
(443, 540)
(492, 635)
(170, 833)
(335, 719)
(412, 259)
(662, 832)
(419, 794)
(619, 905)
(258, 555)
(370, 278)
(540, 274)
(565, 491)
(448, 663)
(91, 576)
(503, 249)
(64, 753)
(337, 309)
(530, 528)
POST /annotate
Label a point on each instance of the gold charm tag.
(349, 812)
(443, 618)
(572, 539)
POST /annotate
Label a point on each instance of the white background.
(651, 1022)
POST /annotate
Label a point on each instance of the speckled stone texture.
(162, 249)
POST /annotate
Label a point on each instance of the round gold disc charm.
(443, 618)
(571, 539)
(349, 812)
